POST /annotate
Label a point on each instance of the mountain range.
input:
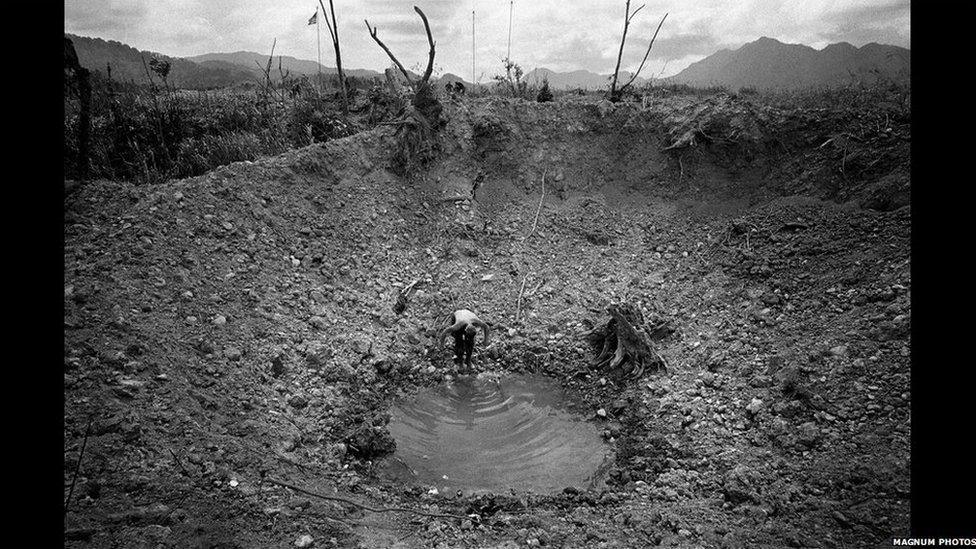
(258, 61)
(770, 64)
(126, 64)
(764, 63)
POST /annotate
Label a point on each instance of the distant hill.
(449, 78)
(127, 65)
(577, 79)
(212, 70)
(771, 64)
(255, 62)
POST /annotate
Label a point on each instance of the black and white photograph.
(489, 274)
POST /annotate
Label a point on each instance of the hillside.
(127, 65)
(252, 61)
(207, 71)
(771, 64)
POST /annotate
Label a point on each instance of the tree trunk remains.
(621, 348)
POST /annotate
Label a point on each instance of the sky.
(561, 35)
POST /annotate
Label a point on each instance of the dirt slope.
(236, 328)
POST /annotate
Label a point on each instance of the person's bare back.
(464, 327)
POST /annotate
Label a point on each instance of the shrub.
(512, 80)
(145, 134)
(544, 94)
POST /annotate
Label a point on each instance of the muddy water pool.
(493, 434)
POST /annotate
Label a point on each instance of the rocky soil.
(234, 332)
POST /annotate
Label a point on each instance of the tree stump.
(621, 348)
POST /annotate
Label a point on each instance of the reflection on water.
(492, 435)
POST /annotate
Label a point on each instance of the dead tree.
(422, 117)
(423, 99)
(615, 93)
(333, 27)
(621, 347)
(266, 85)
(81, 76)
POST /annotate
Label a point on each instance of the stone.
(708, 378)
(842, 519)
(755, 405)
(318, 323)
(601, 412)
(233, 353)
(808, 434)
(304, 540)
(220, 320)
(739, 485)
(298, 401)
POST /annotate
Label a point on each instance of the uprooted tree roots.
(623, 348)
(416, 131)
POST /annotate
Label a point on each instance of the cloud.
(579, 52)
(673, 47)
(102, 16)
(558, 34)
(887, 23)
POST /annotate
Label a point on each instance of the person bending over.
(464, 326)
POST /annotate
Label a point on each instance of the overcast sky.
(561, 35)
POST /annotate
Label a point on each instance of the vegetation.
(544, 95)
(152, 133)
(512, 81)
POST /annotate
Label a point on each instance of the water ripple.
(492, 435)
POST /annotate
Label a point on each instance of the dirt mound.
(239, 326)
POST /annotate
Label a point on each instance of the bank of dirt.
(231, 332)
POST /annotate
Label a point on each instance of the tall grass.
(150, 133)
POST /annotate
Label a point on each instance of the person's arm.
(484, 327)
(448, 331)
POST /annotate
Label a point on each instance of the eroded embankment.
(238, 327)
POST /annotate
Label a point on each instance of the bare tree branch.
(372, 32)
(648, 52)
(360, 505)
(430, 40)
(416, 84)
(81, 454)
(635, 11)
(328, 23)
(615, 92)
(334, 33)
(620, 54)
